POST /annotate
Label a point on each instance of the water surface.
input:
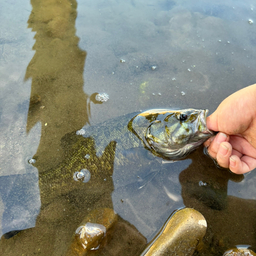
(55, 56)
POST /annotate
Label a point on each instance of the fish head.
(172, 134)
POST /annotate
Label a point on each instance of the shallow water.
(55, 56)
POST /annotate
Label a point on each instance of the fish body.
(170, 134)
(120, 144)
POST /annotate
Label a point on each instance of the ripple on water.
(84, 175)
(102, 97)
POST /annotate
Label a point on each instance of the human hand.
(234, 147)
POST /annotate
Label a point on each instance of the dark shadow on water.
(230, 220)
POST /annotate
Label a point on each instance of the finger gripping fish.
(171, 134)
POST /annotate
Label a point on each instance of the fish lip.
(203, 116)
(203, 120)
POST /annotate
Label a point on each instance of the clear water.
(57, 56)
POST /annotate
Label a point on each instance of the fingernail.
(223, 149)
(232, 161)
(221, 137)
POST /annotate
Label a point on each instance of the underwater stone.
(239, 252)
(93, 232)
(90, 235)
(180, 234)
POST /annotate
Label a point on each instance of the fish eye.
(183, 117)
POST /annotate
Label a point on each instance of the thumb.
(212, 122)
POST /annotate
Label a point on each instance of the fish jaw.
(204, 131)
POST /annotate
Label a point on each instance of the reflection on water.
(57, 97)
(202, 52)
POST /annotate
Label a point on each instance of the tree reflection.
(59, 103)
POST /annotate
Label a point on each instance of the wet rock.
(90, 235)
(239, 252)
(180, 235)
(93, 232)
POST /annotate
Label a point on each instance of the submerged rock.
(90, 235)
(92, 232)
(239, 252)
(180, 235)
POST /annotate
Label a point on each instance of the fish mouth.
(203, 116)
(205, 133)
